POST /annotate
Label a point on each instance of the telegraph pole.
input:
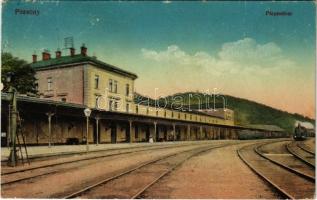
(13, 120)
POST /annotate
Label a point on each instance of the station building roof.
(78, 59)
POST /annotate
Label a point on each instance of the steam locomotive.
(300, 133)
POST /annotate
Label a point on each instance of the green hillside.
(246, 111)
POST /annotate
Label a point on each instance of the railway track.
(288, 162)
(301, 154)
(70, 154)
(287, 183)
(85, 156)
(304, 147)
(132, 183)
(43, 170)
(89, 156)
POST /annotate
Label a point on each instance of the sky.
(183, 46)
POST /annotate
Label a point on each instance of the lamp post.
(97, 129)
(87, 112)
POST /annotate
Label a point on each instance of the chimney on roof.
(72, 51)
(34, 58)
(46, 55)
(83, 50)
(58, 53)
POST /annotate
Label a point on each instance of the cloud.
(172, 54)
(242, 56)
(248, 51)
(166, 2)
(243, 68)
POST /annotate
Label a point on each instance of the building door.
(95, 132)
(127, 133)
(197, 136)
(136, 130)
(165, 134)
(4, 130)
(113, 133)
(178, 134)
(222, 135)
(147, 134)
(157, 134)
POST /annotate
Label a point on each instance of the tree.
(23, 75)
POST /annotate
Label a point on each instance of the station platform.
(45, 151)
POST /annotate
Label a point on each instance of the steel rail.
(94, 157)
(292, 151)
(275, 186)
(299, 173)
(138, 194)
(74, 161)
(44, 157)
(80, 192)
(301, 145)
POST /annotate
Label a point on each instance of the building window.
(172, 114)
(164, 113)
(137, 109)
(185, 116)
(49, 83)
(115, 86)
(110, 85)
(127, 107)
(63, 99)
(179, 115)
(190, 117)
(127, 90)
(147, 111)
(157, 113)
(110, 105)
(96, 81)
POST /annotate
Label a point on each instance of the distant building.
(225, 113)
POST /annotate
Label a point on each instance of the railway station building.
(67, 84)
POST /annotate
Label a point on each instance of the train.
(300, 133)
